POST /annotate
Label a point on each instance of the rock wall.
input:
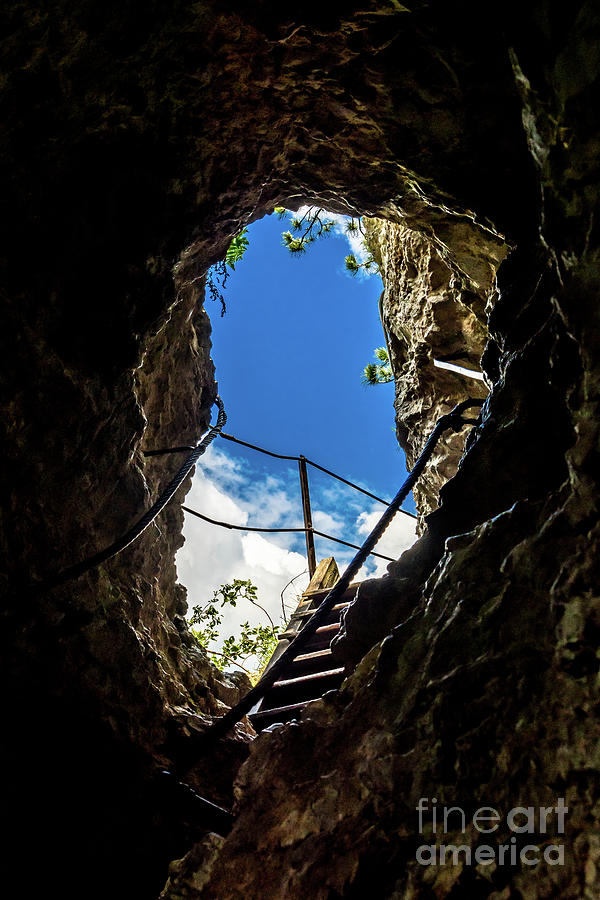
(430, 313)
(104, 679)
(136, 142)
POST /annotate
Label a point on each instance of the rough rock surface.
(430, 313)
(105, 679)
(136, 141)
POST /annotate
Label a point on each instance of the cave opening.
(433, 315)
(289, 353)
(292, 340)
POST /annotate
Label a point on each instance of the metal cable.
(133, 533)
(356, 486)
(322, 534)
(230, 437)
(221, 726)
(311, 462)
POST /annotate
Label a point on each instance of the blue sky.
(289, 355)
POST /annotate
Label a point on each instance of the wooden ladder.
(312, 672)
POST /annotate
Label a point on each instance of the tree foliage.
(354, 267)
(237, 248)
(258, 641)
(305, 230)
(378, 372)
(315, 224)
(218, 274)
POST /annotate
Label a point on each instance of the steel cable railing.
(311, 462)
(322, 534)
(309, 530)
(195, 452)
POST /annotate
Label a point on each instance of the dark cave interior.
(136, 143)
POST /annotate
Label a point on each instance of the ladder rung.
(324, 629)
(294, 707)
(335, 626)
(322, 592)
(317, 654)
(302, 678)
(305, 613)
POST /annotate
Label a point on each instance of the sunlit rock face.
(134, 146)
(431, 312)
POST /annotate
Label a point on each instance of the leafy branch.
(237, 248)
(354, 267)
(218, 274)
(304, 231)
(314, 224)
(229, 659)
(379, 372)
(257, 641)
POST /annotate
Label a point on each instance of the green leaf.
(378, 373)
(237, 248)
(369, 374)
(294, 244)
(351, 264)
(257, 641)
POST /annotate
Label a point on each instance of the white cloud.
(324, 521)
(212, 556)
(259, 553)
(399, 536)
(216, 463)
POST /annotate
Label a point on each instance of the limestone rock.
(429, 314)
